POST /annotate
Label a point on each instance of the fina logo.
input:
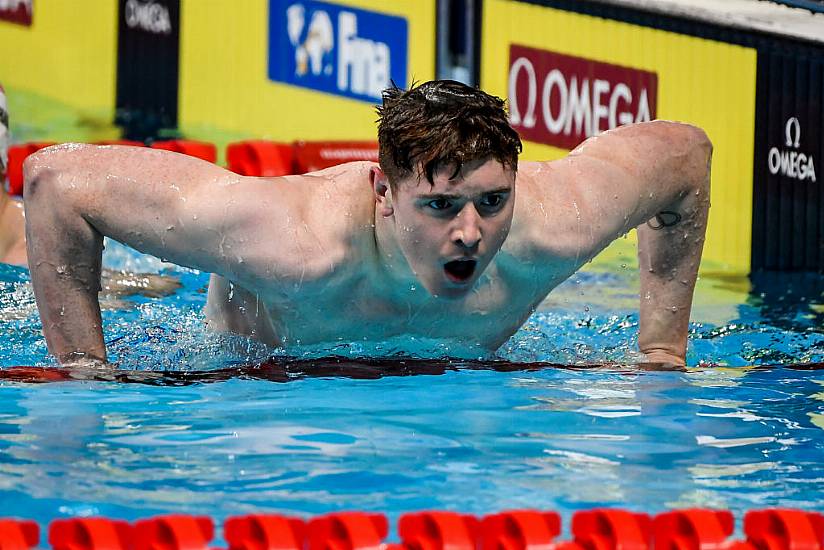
(336, 49)
(789, 163)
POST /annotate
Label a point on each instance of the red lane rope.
(597, 529)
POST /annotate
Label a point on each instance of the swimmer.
(448, 236)
(12, 218)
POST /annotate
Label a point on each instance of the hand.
(88, 368)
(663, 360)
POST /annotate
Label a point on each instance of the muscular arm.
(178, 208)
(656, 177)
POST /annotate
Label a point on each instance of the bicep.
(627, 176)
(614, 183)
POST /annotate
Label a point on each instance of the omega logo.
(561, 100)
(14, 5)
(791, 163)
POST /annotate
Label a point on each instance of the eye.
(439, 204)
(493, 201)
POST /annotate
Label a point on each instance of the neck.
(397, 279)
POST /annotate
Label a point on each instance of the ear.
(382, 191)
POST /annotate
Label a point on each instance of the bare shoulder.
(640, 148)
(571, 208)
(310, 226)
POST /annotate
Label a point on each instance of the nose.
(467, 230)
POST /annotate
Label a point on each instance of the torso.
(342, 298)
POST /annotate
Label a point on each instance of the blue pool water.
(314, 438)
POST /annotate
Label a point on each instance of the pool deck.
(750, 15)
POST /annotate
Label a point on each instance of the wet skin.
(12, 235)
(320, 258)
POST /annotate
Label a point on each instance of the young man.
(12, 220)
(455, 240)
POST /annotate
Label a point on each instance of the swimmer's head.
(442, 125)
(458, 138)
(4, 135)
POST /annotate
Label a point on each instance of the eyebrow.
(500, 190)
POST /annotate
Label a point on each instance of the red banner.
(16, 11)
(561, 100)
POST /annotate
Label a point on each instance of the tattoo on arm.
(664, 219)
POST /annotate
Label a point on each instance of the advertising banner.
(336, 49)
(147, 66)
(788, 201)
(561, 100)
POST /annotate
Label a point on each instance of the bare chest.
(354, 311)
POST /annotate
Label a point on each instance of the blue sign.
(336, 49)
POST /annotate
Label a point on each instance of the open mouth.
(460, 271)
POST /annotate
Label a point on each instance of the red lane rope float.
(89, 533)
(173, 532)
(200, 149)
(784, 529)
(519, 530)
(693, 529)
(347, 531)
(17, 154)
(599, 529)
(260, 158)
(610, 529)
(18, 534)
(438, 531)
(262, 532)
(317, 155)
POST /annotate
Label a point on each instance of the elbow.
(694, 156)
(42, 171)
(38, 177)
(702, 161)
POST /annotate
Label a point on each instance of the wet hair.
(441, 124)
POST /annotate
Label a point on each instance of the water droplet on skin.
(61, 269)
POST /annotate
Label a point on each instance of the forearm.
(64, 259)
(669, 254)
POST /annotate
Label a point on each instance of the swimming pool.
(475, 435)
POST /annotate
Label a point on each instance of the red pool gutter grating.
(597, 529)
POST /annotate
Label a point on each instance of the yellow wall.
(223, 74)
(707, 83)
(60, 73)
(68, 53)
